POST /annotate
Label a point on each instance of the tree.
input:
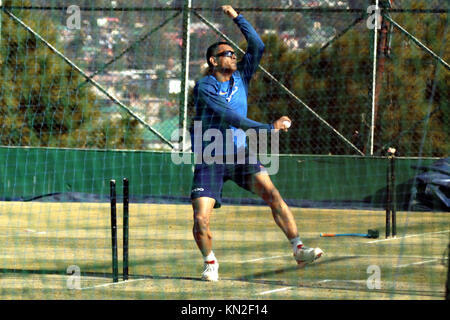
(41, 103)
(337, 85)
(416, 94)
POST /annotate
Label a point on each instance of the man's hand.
(280, 124)
(228, 10)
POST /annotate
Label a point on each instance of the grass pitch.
(41, 244)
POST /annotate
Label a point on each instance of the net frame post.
(374, 77)
(388, 200)
(113, 200)
(185, 58)
(125, 227)
(1, 22)
(447, 286)
(393, 197)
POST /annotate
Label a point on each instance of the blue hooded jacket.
(223, 105)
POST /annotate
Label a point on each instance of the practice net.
(94, 91)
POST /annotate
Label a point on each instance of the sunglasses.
(227, 54)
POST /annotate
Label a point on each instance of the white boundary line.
(275, 290)
(416, 263)
(110, 284)
(410, 236)
(340, 280)
(266, 258)
(341, 255)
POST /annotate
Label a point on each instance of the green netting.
(92, 91)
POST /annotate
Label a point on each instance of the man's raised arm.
(255, 47)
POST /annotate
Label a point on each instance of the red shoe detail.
(298, 248)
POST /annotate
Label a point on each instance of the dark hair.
(212, 51)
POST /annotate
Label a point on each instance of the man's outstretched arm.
(207, 97)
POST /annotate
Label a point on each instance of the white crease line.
(334, 256)
(276, 290)
(265, 258)
(416, 263)
(382, 256)
(410, 236)
(337, 280)
(110, 284)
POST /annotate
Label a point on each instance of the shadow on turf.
(256, 278)
(93, 274)
(55, 272)
(249, 278)
(293, 268)
(109, 275)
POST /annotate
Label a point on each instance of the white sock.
(210, 257)
(295, 242)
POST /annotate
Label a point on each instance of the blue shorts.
(209, 178)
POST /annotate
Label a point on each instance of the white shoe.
(211, 271)
(304, 255)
